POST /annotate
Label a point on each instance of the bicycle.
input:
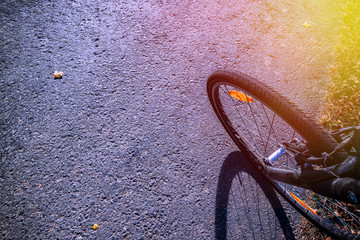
(316, 171)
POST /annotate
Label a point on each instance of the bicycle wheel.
(261, 121)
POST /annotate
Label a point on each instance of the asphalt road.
(127, 138)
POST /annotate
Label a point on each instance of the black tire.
(247, 135)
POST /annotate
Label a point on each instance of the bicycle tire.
(290, 115)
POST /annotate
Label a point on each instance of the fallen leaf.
(58, 74)
(306, 25)
(95, 226)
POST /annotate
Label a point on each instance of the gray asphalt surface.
(127, 138)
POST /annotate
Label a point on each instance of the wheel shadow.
(247, 207)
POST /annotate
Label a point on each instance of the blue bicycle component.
(275, 155)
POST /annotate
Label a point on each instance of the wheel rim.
(252, 123)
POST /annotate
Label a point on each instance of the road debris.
(95, 226)
(306, 25)
(58, 74)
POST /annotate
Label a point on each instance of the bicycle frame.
(340, 181)
(321, 181)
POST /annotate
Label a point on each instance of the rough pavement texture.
(127, 139)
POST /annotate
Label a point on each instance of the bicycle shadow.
(254, 200)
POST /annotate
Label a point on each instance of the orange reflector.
(240, 96)
(303, 204)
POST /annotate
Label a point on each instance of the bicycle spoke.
(242, 121)
(271, 127)
(257, 126)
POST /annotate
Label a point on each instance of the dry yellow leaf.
(306, 25)
(58, 74)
